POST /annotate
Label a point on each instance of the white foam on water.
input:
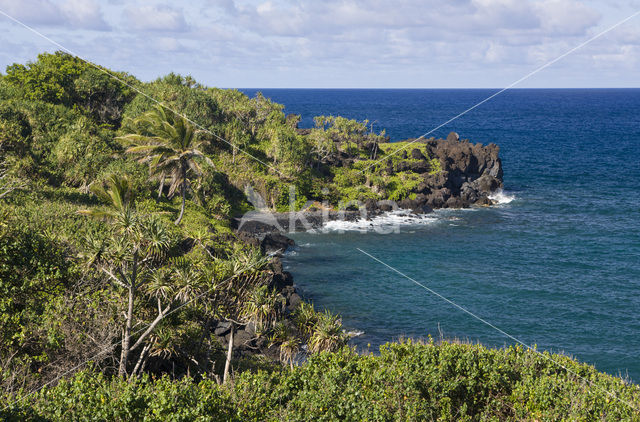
(390, 222)
(501, 198)
(384, 223)
(354, 333)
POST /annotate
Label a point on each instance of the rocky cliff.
(467, 175)
(452, 173)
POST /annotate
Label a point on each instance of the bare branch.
(141, 359)
(161, 314)
(115, 279)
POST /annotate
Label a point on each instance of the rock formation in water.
(468, 174)
(453, 173)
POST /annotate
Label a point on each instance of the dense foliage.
(90, 169)
(117, 250)
(406, 381)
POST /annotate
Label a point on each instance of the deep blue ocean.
(558, 267)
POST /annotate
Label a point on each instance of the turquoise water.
(559, 266)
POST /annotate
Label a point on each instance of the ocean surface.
(556, 265)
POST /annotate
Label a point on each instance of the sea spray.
(501, 198)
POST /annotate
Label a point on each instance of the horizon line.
(409, 89)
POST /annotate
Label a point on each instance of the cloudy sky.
(338, 43)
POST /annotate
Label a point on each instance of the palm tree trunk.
(161, 188)
(227, 364)
(126, 338)
(183, 192)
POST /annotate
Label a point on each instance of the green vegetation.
(406, 381)
(103, 263)
(170, 144)
(92, 266)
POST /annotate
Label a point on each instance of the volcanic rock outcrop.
(468, 174)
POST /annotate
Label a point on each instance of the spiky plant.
(262, 306)
(305, 317)
(117, 194)
(327, 334)
(288, 341)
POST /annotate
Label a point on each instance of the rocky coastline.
(469, 174)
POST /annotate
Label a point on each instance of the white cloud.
(295, 18)
(629, 35)
(84, 14)
(566, 17)
(155, 18)
(77, 14)
(342, 42)
(376, 32)
(33, 11)
(168, 44)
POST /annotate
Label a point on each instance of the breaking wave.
(384, 223)
(501, 198)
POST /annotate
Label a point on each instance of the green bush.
(33, 269)
(93, 397)
(61, 78)
(406, 381)
(82, 152)
(400, 185)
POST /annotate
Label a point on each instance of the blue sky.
(339, 43)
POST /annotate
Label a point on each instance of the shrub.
(406, 381)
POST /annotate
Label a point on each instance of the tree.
(102, 96)
(262, 306)
(50, 78)
(323, 148)
(171, 146)
(130, 258)
(327, 334)
(333, 134)
(245, 274)
(289, 342)
(321, 330)
(238, 138)
(61, 78)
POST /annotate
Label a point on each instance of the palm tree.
(244, 267)
(130, 258)
(171, 146)
(117, 194)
